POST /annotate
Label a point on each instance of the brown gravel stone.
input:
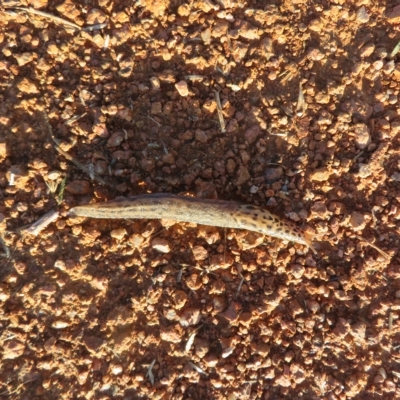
(160, 245)
(93, 343)
(13, 349)
(357, 221)
(78, 187)
(182, 88)
(200, 253)
(179, 297)
(171, 333)
(320, 175)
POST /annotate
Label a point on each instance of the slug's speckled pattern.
(200, 211)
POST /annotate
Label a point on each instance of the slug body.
(220, 213)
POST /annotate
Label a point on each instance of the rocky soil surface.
(287, 104)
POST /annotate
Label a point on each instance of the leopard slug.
(220, 213)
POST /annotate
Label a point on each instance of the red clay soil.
(154, 309)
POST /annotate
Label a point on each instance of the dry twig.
(59, 20)
(219, 110)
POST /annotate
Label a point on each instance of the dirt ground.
(153, 309)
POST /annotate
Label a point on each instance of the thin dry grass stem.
(150, 374)
(41, 223)
(7, 252)
(74, 119)
(85, 169)
(106, 42)
(395, 51)
(387, 256)
(152, 119)
(219, 110)
(197, 368)
(95, 27)
(194, 77)
(240, 284)
(301, 106)
(59, 20)
(5, 393)
(52, 185)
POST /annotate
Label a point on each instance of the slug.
(220, 213)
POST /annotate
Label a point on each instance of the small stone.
(95, 16)
(367, 50)
(116, 368)
(82, 377)
(219, 304)
(172, 334)
(27, 86)
(136, 240)
(250, 240)
(3, 151)
(315, 54)
(116, 139)
(24, 58)
(243, 175)
(230, 166)
(118, 233)
(200, 136)
(362, 15)
(155, 83)
(297, 270)
(59, 324)
(182, 88)
(252, 134)
(231, 313)
(13, 349)
(190, 316)
(179, 297)
(187, 135)
(313, 306)
(200, 253)
(273, 174)
(99, 283)
(389, 67)
(194, 281)
(362, 136)
(319, 209)
(320, 175)
(54, 175)
(211, 360)
(365, 171)
(38, 3)
(394, 16)
(248, 31)
(184, 10)
(92, 343)
(156, 108)
(78, 187)
(357, 221)
(261, 348)
(161, 245)
(201, 347)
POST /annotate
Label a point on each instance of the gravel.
(156, 309)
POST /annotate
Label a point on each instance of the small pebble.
(362, 15)
(118, 233)
(116, 368)
(161, 245)
(182, 88)
(357, 221)
(12, 349)
(59, 324)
